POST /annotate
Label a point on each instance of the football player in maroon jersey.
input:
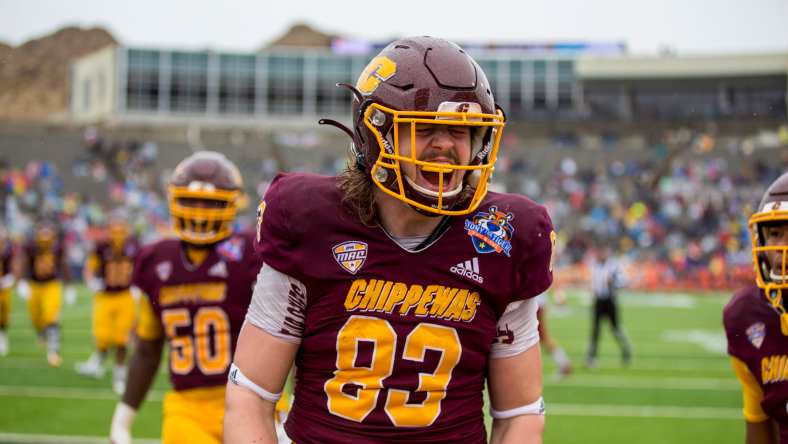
(756, 322)
(45, 265)
(196, 290)
(401, 286)
(108, 273)
(7, 280)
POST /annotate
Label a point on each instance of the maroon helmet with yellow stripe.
(771, 258)
(204, 194)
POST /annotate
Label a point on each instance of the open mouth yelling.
(433, 179)
(428, 180)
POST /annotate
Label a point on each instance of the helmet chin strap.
(774, 277)
(775, 296)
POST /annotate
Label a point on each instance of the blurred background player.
(196, 291)
(757, 326)
(562, 362)
(606, 279)
(45, 266)
(108, 274)
(6, 283)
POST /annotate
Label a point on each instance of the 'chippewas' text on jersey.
(396, 343)
(200, 309)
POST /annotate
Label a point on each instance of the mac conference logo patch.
(755, 333)
(350, 255)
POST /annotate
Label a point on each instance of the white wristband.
(238, 378)
(535, 408)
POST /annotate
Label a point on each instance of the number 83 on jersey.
(369, 380)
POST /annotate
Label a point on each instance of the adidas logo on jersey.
(218, 270)
(469, 269)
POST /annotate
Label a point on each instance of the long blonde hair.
(358, 191)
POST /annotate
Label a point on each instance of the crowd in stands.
(677, 221)
(121, 175)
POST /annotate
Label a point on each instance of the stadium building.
(564, 83)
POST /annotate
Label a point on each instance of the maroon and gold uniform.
(199, 310)
(6, 282)
(114, 265)
(44, 264)
(759, 351)
(45, 269)
(114, 309)
(394, 343)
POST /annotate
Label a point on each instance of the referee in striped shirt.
(606, 278)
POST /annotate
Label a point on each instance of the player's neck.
(196, 255)
(400, 219)
(117, 247)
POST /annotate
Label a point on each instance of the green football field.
(679, 388)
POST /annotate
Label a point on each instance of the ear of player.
(426, 81)
(771, 258)
(204, 195)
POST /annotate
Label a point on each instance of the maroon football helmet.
(771, 274)
(204, 194)
(425, 80)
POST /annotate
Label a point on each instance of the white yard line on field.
(69, 393)
(32, 363)
(711, 341)
(644, 411)
(646, 382)
(24, 438)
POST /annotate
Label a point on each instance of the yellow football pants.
(193, 416)
(44, 304)
(113, 318)
(197, 415)
(5, 307)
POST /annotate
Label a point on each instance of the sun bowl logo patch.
(491, 232)
(231, 249)
(755, 333)
(350, 255)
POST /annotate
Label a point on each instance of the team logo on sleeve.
(350, 255)
(491, 232)
(755, 333)
(163, 270)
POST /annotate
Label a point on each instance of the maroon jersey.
(201, 308)
(44, 265)
(752, 326)
(115, 266)
(395, 343)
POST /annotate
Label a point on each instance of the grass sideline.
(679, 388)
